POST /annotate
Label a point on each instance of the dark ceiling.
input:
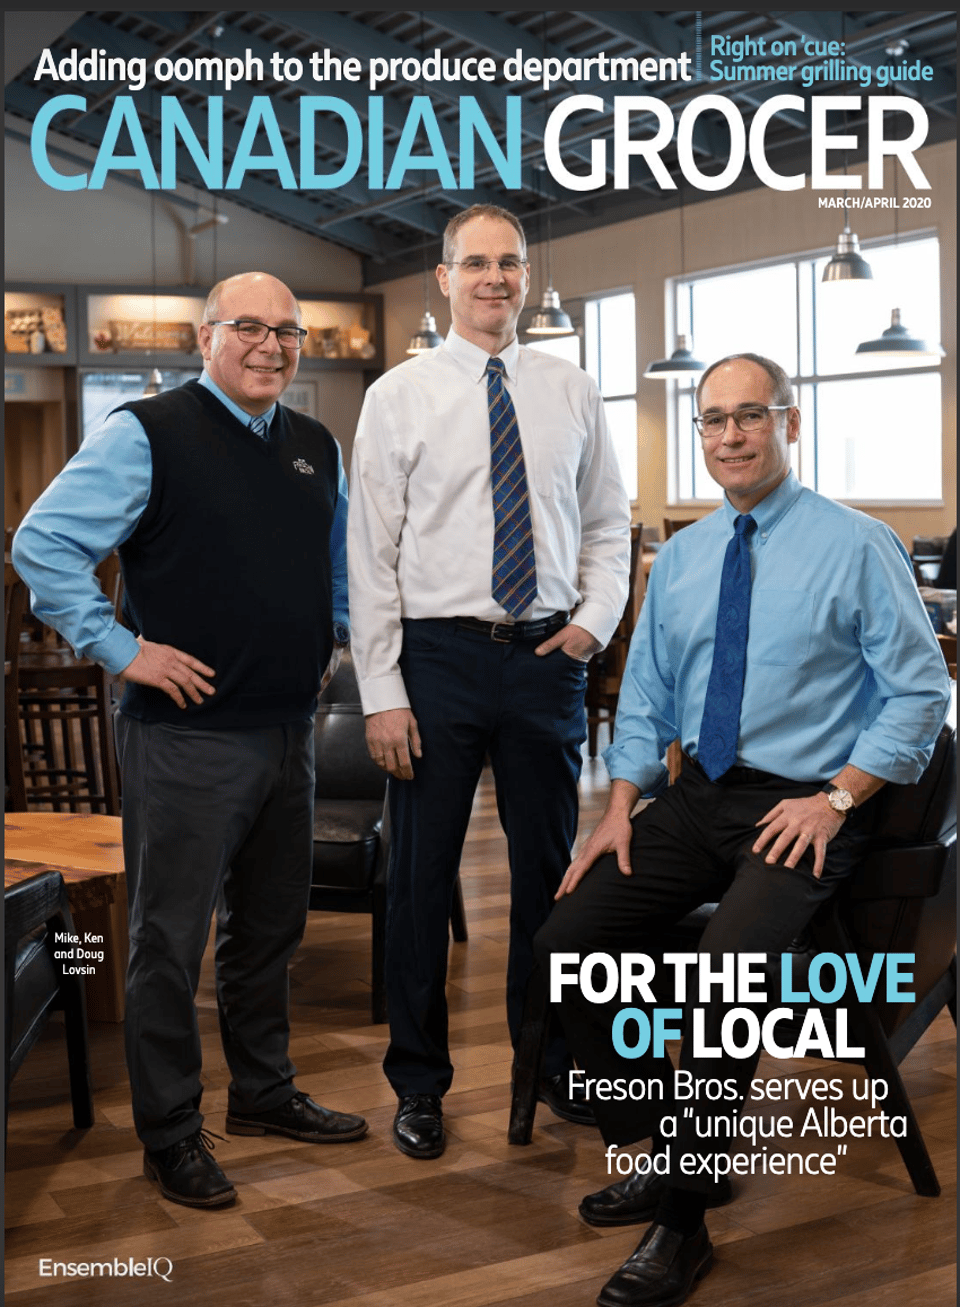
(390, 229)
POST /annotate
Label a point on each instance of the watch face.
(340, 633)
(840, 800)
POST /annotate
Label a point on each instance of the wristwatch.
(840, 800)
(341, 633)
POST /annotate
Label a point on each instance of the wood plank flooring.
(486, 1224)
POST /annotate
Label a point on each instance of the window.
(606, 327)
(103, 391)
(610, 346)
(855, 420)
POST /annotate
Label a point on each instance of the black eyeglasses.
(749, 418)
(512, 263)
(252, 332)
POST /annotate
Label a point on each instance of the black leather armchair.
(901, 899)
(34, 912)
(351, 825)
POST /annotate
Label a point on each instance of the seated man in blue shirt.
(229, 512)
(783, 640)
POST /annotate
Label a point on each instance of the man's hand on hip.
(575, 641)
(392, 737)
(802, 823)
(171, 670)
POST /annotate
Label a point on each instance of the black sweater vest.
(230, 561)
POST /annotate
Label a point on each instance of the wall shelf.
(39, 326)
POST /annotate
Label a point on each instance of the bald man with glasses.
(229, 512)
(784, 641)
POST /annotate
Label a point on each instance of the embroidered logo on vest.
(303, 466)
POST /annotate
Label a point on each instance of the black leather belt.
(737, 775)
(507, 632)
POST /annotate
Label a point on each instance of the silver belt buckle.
(501, 639)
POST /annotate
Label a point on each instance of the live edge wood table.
(86, 849)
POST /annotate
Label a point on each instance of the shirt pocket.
(556, 461)
(781, 622)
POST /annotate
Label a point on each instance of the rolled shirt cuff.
(116, 650)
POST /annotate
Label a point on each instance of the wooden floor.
(485, 1224)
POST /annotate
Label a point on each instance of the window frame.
(806, 383)
(594, 298)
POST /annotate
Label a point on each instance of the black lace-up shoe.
(418, 1126)
(300, 1118)
(187, 1173)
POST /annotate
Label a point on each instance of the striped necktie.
(259, 427)
(514, 583)
(720, 726)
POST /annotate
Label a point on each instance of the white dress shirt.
(420, 532)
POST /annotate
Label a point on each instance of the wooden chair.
(59, 734)
(351, 826)
(35, 911)
(605, 669)
(902, 898)
(67, 738)
(15, 598)
(671, 525)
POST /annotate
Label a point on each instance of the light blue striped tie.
(514, 584)
(259, 427)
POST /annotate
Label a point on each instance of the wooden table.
(87, 850)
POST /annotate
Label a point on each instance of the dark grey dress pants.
(212, 820)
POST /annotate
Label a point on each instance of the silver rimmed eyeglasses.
(512, 263)
(252, 332)
(749, 418)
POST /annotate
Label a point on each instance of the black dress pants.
(692, 845)
(473, 697)
(212, 820)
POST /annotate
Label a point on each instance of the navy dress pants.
(692, 845)
(212, 821)
(472, 698)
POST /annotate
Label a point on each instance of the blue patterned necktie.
(259, 427)
(514, 584)
(717, 747)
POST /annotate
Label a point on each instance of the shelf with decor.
(345, 331)
(39, 326)
(137, 327)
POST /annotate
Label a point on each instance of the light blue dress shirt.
(842, 662)
(93, 506)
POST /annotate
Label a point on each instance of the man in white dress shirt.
(486, 568)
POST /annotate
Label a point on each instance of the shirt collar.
(772, 507)
(475, 360)
(240, 414)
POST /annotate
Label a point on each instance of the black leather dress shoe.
(555, 1092)
(662, 1271)
(634, 1200)
(187, 1173)
(418, 1126)
(300, 1118)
